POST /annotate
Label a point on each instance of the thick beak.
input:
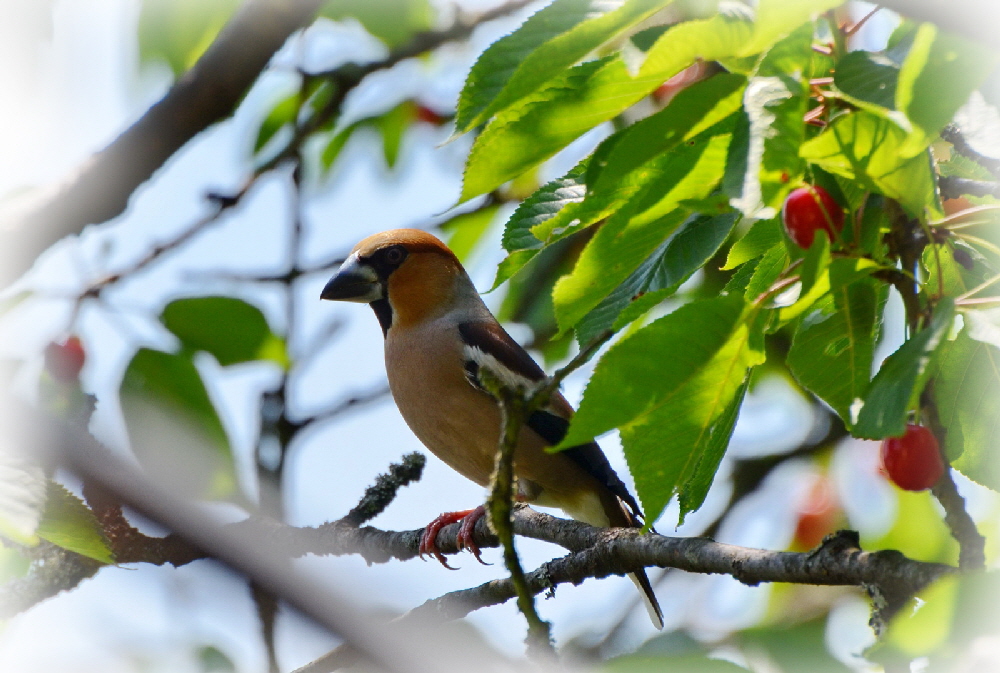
(354, 281)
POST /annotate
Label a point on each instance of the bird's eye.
(394, 255)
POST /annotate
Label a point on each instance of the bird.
(438, 335)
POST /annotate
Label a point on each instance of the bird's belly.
(456, 422)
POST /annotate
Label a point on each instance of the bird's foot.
(467, 530)
(468, 517)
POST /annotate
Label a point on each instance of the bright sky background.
(77, 85)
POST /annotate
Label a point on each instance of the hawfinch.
(438, 335)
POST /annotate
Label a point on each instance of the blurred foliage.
(669, 232)
(178, 32)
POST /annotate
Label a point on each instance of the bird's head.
(407, 275)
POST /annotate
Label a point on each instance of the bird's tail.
(648, 597)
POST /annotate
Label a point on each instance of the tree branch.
(100, 188)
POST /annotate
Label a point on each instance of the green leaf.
(213, 660)
(724, 35)
(672, 263)
(649, 663)
(939, 73)
(230, 329)
(544, 204)
(512, 264)
(868, 77)
(775, 101)
(650, 157)
(173, 426)
(674, 445)
(550, 41)
(967, 393)
(336, 144)
(777, 18)
(896, 388)
(392, 21)
(547, 202)
(634, 232)
(281, 115)
(613, 254)
(761, 237)
(767, 271)
(833, 347)
(796, 648)
(466, 230)
(68, 523)
(179, 31)
(738, 283)
(392, 125)
(633, 377)
(692, 492)
(587, 95)
(861, 146)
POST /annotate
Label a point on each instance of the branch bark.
(100, 189)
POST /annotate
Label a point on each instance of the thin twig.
(953, 187)
(514, 411)
(856, 27)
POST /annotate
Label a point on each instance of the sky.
(78, 84)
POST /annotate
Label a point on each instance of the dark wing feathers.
(492, 339)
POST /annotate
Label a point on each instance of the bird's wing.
(488, 345)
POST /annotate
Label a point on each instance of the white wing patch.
(507, 377)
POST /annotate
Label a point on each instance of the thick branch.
(206, 94)
(837, 561)
(953, 187)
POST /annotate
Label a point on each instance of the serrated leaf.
(691, 494)
(230, 329)
(172, 425)
(666, 445)
(774, 103)
(641, 158)
(767, 271)
(634, 232)
(939, 73)
(587, 95)
(740, 280)
(776, 18)
(660, 274)
(68, 523)
(869, 77)
(861, 146)
(761, 237)
(634, 376)
(550, 41)
(832, 350)
(897, 385)
(967, 393)
(542, 205)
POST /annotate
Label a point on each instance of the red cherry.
(65, 360)
(685, 78)
(810, 209)
(425, 114)
(913, 461)
(818, 515)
